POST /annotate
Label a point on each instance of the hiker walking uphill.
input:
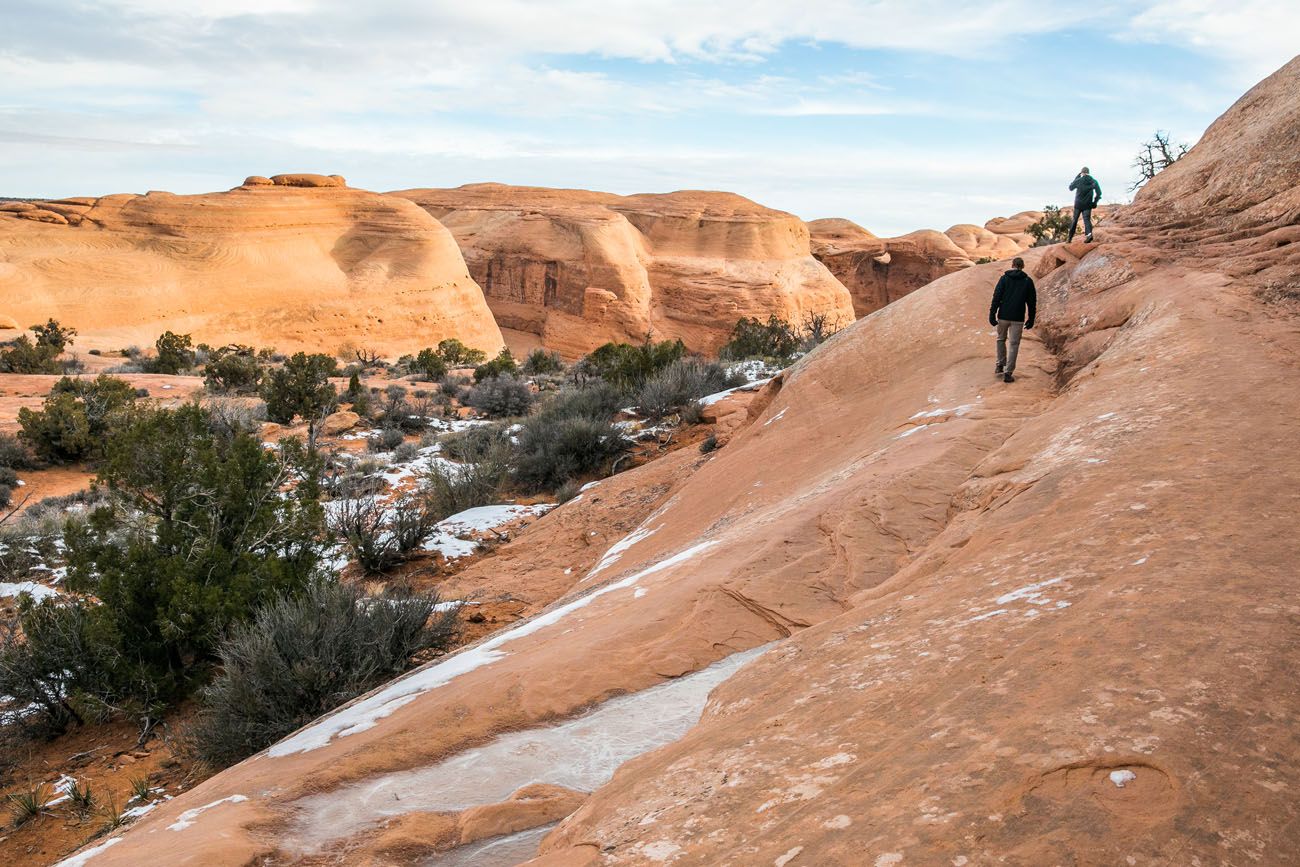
(1012, 298)
(1087, 195)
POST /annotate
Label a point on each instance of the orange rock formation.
(878, 271)
(576, 268)
(1047, 622)
(295, 262)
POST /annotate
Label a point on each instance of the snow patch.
(81, 858)
(37, 591)
(776, 417)
(366, 713)
(616, 550)
(787, 857)
(1121, 777)
(484, 518)
(186, 819)
(1033, 593)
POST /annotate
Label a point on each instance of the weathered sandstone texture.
(578, 268)
(1047, 622)
(295, 262)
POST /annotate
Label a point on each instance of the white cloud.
(627, 95)
(1254, 36)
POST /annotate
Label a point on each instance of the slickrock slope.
(1048, 622)
(578, 268)
(298, 262)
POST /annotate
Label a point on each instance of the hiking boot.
(1087, 239)
(1006, 377)
(997, 370)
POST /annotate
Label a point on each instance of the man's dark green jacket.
(1087, 192)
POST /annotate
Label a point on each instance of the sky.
(898, 115)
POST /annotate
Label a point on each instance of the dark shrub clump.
(501, 396)
(681, 382)
(302, 656)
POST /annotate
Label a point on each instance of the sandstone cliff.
(964, 622)
(878, 271)
(298, 262)
(574, 268)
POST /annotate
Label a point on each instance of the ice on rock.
(582, 753)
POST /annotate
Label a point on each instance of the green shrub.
(540, 362)
(551, 450)
(303, 656)
(709, 444)
(175, 353)
(1053, 228)
(232, 369)
(504, 363)
(202, 527)
(386, 440)
(501, 396)
(627, 367)
(14, 454)
(476, 443)
(456, 354)
(75, 419)
(429, 364)
(23, 355)
(395, 411)
(752, 338)
(356, 395)
(301, 388)
(598, 401)
(48, 659)
(681, 382)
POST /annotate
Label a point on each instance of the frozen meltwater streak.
(504, 851)
(581, 753)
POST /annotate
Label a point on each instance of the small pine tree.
(301, 388)
(175, 353)
(430, 364)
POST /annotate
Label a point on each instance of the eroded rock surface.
(294, 262)
(576, 268)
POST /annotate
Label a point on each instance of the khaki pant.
(1008, 330)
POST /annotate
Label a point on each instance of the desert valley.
(498, 525)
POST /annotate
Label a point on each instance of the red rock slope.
(576, 268)
(301, 262)
(1048, 622)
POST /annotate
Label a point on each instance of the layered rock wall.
(576, 268)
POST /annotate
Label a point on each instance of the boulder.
(339, 422)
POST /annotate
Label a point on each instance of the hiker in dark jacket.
(1087, 195)
(1014, 295)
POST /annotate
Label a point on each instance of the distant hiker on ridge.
(1014, 294)
(1087, 195)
